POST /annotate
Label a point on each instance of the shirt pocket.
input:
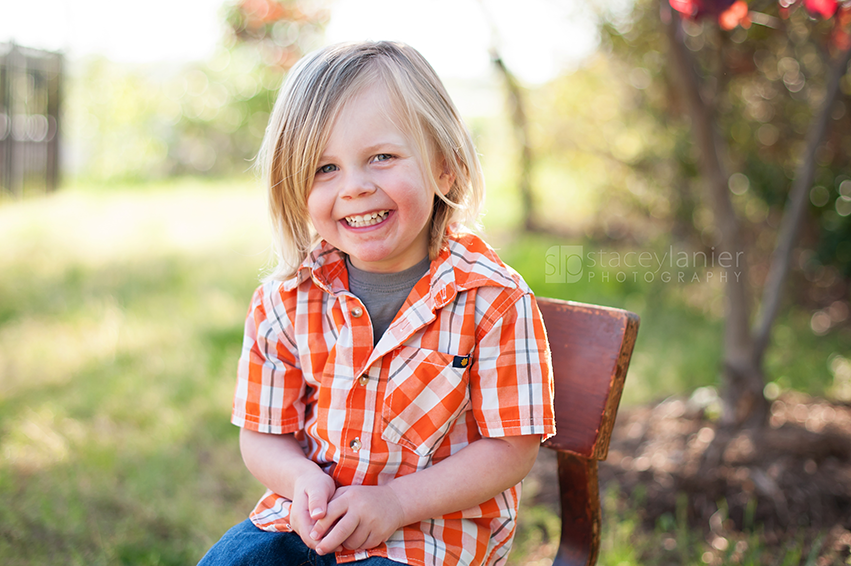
(424, 396)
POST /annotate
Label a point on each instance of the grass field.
(121, 313)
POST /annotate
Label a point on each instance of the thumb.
(316, 503)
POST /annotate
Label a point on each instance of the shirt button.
(357, 312)
(363, 380)
(355, 444)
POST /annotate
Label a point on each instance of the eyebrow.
(373, 148)
(382, 145)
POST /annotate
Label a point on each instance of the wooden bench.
(591, 347)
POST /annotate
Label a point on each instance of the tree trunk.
(520, 123)
(743, 401)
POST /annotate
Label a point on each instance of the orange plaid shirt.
(465, 358)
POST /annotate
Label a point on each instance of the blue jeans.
(245, 544)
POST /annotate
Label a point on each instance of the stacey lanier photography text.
(571, 264)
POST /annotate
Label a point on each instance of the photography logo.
(563, 264)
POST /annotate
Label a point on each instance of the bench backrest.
(591, 348)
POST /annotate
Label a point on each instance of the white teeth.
(367, 219)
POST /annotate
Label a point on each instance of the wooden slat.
(591, 348)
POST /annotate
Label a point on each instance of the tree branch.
(796, 208)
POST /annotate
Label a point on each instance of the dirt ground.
(792, 477)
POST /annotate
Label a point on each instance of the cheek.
(425, 204)
(417, 200)
(317, 207)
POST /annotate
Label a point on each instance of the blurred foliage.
(280, 30)
(771, 82)
(596, 134)
(680, 341)
(615, 133)
(154, 121)
(126, 123)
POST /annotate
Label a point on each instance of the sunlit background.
(455, 36)
(124, 284)
(171, 62)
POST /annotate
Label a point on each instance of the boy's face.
(370, 198)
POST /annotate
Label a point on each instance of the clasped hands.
(329, 519)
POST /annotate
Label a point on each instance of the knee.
(246, 545)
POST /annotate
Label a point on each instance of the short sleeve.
(511, 375)
(270, 388)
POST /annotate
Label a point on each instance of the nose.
(356, 184)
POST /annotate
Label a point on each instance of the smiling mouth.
(367, 219)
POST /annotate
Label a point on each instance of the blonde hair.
(315, 91)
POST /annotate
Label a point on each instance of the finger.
(364, 539)
(302, 525)
(339, 533)
(317, 502)
(371, 541)
(357, 539)
(318, 531)
(339, 493)
(333, 513)
(300, 520)
(309, 542)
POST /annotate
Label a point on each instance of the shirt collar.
(467, 262)
(326, 266)
(464, 263)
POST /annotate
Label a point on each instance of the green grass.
(120, 323)
(626, 540)
(121, 313)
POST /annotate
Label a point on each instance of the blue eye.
(327, 168)
(382, 157)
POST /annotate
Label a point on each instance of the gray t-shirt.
(383, 294)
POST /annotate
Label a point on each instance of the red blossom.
(841, 36)
(694, 9)
(735, 15)
(261, 12)
(817, 8)
(729, 13)
(688, 8)
(823, 8)
(732, 13)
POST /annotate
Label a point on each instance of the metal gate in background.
(30, 94)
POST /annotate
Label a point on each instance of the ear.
(445, 177)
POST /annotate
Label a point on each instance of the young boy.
(395, 386)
